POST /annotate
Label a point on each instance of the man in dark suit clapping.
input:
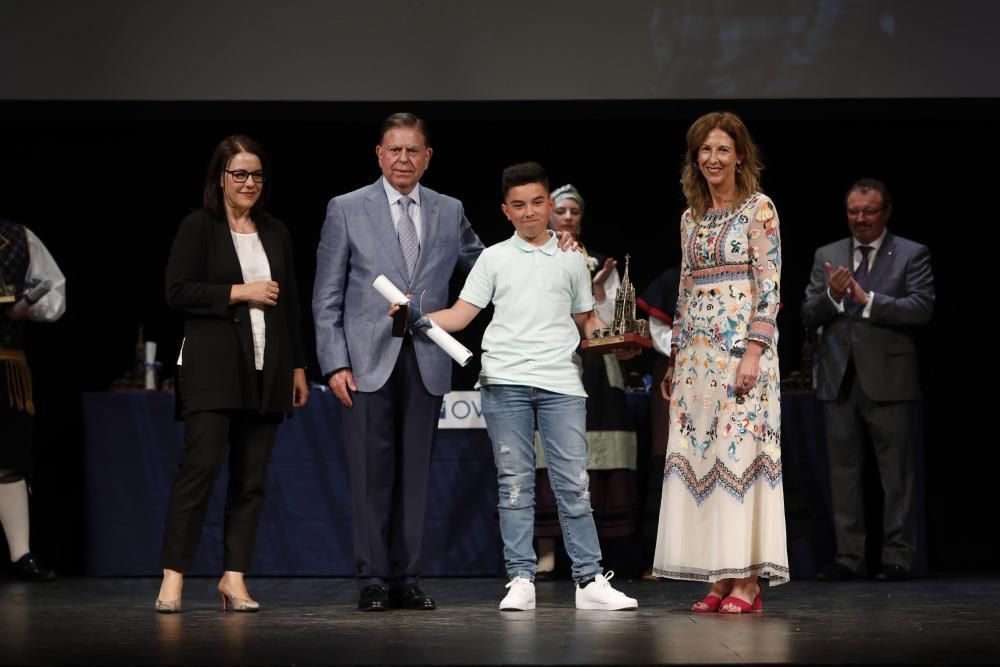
(867, 295)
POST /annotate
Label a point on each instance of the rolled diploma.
(452, 347)
(392, 294)
(439, 336)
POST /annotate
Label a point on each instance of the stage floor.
(313, 621)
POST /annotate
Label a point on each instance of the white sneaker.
(521, 596)
(599, 594)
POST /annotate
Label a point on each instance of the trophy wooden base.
(629, 341)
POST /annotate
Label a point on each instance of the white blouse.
(254, 264)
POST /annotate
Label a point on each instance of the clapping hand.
(857, 293)
(842, 283)
(840, 280)
(602, 276)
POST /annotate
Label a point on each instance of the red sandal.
(742, 606)
(711, 604)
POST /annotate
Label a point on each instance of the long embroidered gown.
(722, 511)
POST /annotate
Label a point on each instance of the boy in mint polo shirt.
(543, 302)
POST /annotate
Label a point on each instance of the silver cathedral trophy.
(625, 331)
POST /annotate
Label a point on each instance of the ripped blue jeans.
(511, 412)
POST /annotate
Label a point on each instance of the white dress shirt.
(394, 196)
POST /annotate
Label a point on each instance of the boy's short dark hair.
(523, 174)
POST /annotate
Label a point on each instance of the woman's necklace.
(242, 226)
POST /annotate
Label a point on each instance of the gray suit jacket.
(359, 242)
(883, 346)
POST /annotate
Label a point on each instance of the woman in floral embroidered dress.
(722, 517)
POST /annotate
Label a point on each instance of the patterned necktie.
(861, 273)
(407, 232)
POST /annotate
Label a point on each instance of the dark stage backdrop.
(104, 185)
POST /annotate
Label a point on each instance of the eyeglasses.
(867, 212)
(241, 175)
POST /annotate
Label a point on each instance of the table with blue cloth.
(133, 446)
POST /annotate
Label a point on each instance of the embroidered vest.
(14, 259)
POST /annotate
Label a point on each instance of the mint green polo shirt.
(532, 338)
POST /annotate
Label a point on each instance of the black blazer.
(218, 362)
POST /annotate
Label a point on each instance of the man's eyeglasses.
(241, 175)
(867, 212)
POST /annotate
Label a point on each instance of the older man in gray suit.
(391, 387)
(867, 296)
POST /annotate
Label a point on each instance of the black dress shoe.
(892, 573)
(837, 572)
(374, 598)
(410, 597)
(28, 568)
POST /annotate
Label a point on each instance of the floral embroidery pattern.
(730, 278)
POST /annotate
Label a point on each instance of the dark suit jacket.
(218, 358)
(883, 346)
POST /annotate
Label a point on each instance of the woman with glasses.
(241, 365)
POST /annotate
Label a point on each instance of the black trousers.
(891, 427)
(388, 436)
(16, 428)
(248, 436)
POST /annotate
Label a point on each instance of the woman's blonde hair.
(748, 168)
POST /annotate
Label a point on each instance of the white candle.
(150, 360)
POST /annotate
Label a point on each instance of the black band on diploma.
(401, 321)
